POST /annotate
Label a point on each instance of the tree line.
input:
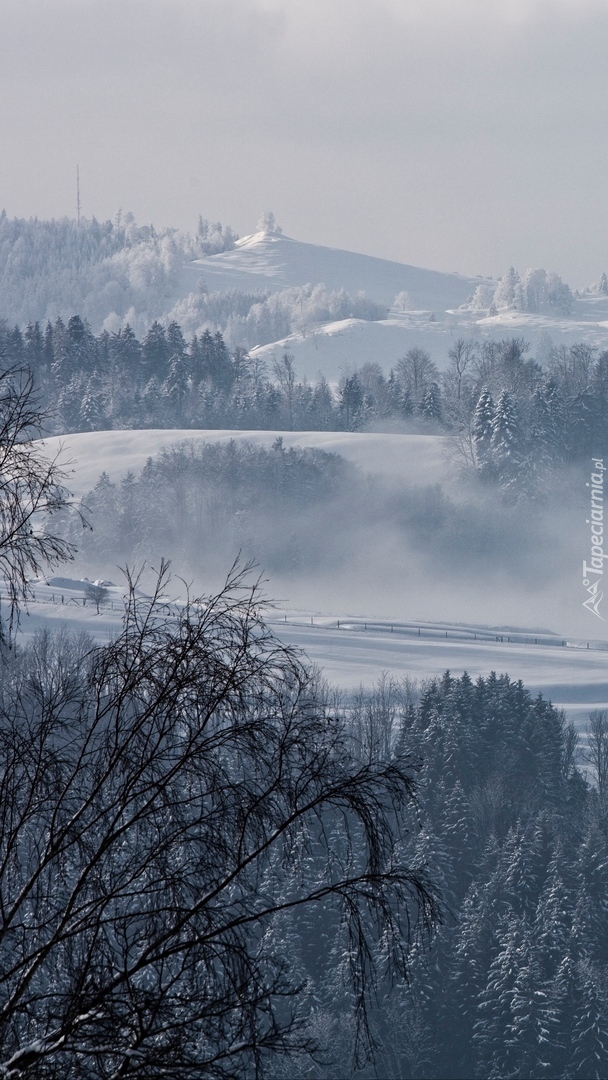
(509, 413)
(297, 512)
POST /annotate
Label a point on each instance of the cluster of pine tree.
(116, 381)
(516, 983)
(200, 502)
(514, 417)
(528, 419)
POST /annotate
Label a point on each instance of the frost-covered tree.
(506, 446)
(559, 294)
(482, 430)
(351, 402)
(430, 406)
(155, 353)
(92, 415)
(589, 1051)
(534, 290)
(268, 224)
(402, 301)
(508, 292)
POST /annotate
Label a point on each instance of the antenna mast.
(78, 194)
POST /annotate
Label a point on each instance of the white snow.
(269, 262)
(417, 460)
(331, 349)
(272, 261)
(573, 677)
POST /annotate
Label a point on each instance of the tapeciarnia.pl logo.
(594, 571)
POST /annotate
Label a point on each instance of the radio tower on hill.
(78, 194)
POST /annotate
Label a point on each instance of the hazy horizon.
(460, 139)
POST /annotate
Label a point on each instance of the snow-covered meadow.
(333, 627)
(352, 651)
(416, 460)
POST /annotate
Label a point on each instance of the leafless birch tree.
(163, 799)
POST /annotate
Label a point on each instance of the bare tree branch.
(32, 490)
(159, 799)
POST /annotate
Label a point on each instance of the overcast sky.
(456, 134)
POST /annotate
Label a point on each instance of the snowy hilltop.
(267, 293)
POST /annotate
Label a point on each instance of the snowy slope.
(573, 677)
(415, 459)
(333, 349)
(271, 261)
(338, 347)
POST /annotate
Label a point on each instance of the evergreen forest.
(513, 420)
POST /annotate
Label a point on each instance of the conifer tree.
(494, 1009)
(483, 418)
(532, 1032)
(590, 1025)
(506, 442)
(91, 416)
(430, 406)
(155, 353)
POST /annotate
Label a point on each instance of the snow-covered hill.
(119, 273)
(273, 261)
(416, 460)
(336, 348)
(437, 305)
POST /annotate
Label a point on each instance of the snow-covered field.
(417, 460)
(572, 676)
(335, 348)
